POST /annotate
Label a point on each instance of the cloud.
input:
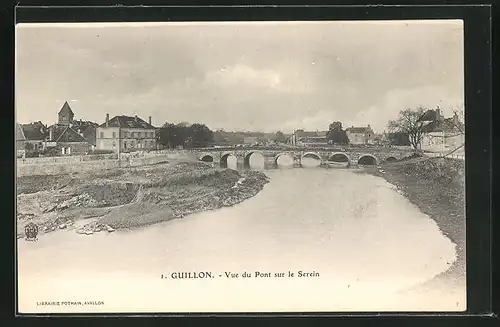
(249, 76)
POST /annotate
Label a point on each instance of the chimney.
(50, 134)
(149, 120)
(135, 116)
(107, 120)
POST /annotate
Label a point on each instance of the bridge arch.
(311, 154)
(289, 154)
(205, 157)
(339, 157)
(248, 154)
(223, 158)
(367, 160)
(391, 159)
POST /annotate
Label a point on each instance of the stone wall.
(74, 164)
(64, 168)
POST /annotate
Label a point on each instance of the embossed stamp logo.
(31, 231)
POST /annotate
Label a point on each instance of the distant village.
(70, 136)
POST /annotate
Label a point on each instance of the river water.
(366, 245)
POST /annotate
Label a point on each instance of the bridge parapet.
(353, 155)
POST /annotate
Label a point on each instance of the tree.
(399, 138)
(173, 136)
(336, 134)
(279, 137)
(409, 123)
(200, 136)
(185, 135)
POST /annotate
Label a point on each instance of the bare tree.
(408, 122)
(459, 119)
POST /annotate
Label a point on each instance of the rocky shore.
(106, 201)
(437, 187)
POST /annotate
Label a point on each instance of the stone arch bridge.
(332, 157)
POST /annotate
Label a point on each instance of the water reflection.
(285, 161)
(256, 161)
(310, 162)
(231, 162)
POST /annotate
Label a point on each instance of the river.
(366, 245)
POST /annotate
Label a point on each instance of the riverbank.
(437, 187)
(129, 197)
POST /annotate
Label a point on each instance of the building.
(35, 135)
(65, 115)
(87, 129)
(125, 134)
(442, 134)
(66, 137)
(381, 139)
(308, 139)
(360, 135)
(20, 141)
(64, 140)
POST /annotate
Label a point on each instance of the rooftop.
(66, 109)
(359, 130)
(127, 121)
(36, 131)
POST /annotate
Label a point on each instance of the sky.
(254, 76)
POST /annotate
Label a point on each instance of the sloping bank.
(130, 197)
(437, 187)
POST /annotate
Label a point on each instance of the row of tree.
(407, 129)
(185, 135)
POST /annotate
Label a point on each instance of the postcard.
(277, 166)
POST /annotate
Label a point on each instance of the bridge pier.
(240, 162)
(297, 163)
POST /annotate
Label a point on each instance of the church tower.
(65, 115)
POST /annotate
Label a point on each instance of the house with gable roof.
(126, 134)
(34, 136)
(441, 134)
(66, 137)
(64, 140)
(360, 135)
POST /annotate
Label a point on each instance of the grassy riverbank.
(130, 197)
(437, 187)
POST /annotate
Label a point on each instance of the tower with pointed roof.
(65, 115)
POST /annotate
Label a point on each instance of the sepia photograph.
(240, 166)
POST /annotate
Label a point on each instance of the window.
(125, 144)
(114, 135)
(138, 134)
(102, 135)
(114, 144)
(133, 134)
